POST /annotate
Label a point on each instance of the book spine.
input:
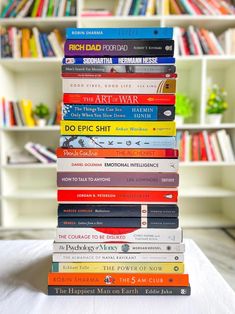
(119, 142)
(97, 48)
(118, 248)
(149, 235)
(113, 128)
(99, 290)
(120, 33)
(115, 195)
(106, 222)
(77, 68)
(117, 257)
(117, 86)
(118, 113)
(119, 60)
(119, 99)
(117, 179)
(105, 210)
(114, 75)
(121, 267)
(116, 153)
(87, 279)
(117, 165)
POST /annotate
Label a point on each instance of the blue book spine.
(104, 222)
(43, 45)
(120, 210)
(50, 51)
(117, 113)
(120, 33)
(120, 60)
(144, 7)
(75, 141)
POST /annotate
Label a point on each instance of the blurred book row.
(30, 43)
(21, 113)
(205, 146)
(31, 153)
(200, 7)
(38, 8)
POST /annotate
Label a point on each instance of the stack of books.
(30, 43)
(118, 229)
(38, 8)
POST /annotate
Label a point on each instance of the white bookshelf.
(28, 194)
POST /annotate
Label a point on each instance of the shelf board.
(206, 164)
(26, 194)
(34, 128)
(198, 126)
(40, 21)
(206, 220)
(31, 166)
(186, 17)
(31, 64)
(33, 222)
(205, 192)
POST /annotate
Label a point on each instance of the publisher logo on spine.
(109, 280)
(125, 248)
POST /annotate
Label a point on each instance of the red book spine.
(40, 8)
(112, 195)
(116, 152)
(195, 147)
(203, 147)
(12, 115)
(120, 75)
(196, 9)
(119, 99)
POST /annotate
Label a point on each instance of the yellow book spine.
(26, 106)
(150, 268)
(166, 7)
(119, 128)
(33, 47)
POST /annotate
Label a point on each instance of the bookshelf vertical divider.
(28, 192)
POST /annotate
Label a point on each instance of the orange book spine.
(87, 279)
(114, 152)
(25, 43)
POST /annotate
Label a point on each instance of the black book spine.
(127, 210)
(100, 222)
(116, 48)
(100, 290)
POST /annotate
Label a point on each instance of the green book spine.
(50, 8)
(68, 7)
(35, 8)
(137, 6)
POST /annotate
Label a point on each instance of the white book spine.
(61, 8)
(120, 7)
(109, 257)
(230, 149)
(30, 148)
(118, 247)
(25, 9)
(117, 165)
(117, 86)
(45, 152)
(55, 45)
(45, 8)
(138, 235)
(127, 7)
(222, 139)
